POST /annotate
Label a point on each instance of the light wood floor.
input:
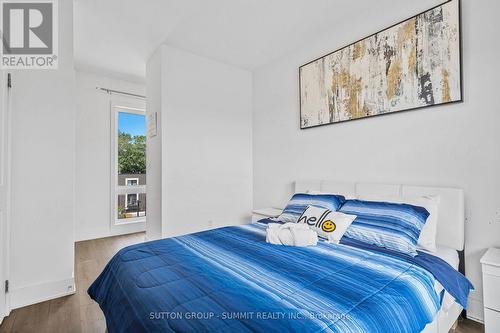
(75, 313)
(468, 326)
(78, 313)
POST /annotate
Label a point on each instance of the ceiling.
(118, 36)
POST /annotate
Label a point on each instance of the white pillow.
(427, 238)
(328, 224)
(347, 196)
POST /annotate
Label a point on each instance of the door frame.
(136, 106)
(5, 180)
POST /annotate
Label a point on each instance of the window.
(132, 198)
(132, 181)
(128, 165)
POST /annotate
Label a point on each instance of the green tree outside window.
(131, 153)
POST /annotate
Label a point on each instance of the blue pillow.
(390, 225)
(300, 201)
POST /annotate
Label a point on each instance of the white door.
(4, 187)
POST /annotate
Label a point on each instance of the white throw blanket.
(291, 234)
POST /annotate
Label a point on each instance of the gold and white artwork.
(413, 64)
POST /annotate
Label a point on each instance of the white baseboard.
(3, 316)
(6, 310)
(475, 310)
(115, 231)
(41, 292)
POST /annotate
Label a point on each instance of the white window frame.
(135, 178)
(116, 189)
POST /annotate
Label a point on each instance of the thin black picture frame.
(460, 51)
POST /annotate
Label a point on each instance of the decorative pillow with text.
(328, 224)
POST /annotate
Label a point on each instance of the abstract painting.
(413, 64)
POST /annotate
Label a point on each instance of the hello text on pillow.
(328, 224)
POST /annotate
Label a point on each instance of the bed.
(229, 279)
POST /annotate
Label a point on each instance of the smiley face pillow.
(328, 224)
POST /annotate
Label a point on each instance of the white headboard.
(451, 202)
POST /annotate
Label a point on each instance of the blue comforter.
(231, 280)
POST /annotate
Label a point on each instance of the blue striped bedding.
(391, 225)
(300, 201)
(231, 280)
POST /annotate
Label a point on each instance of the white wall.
(43, 162)
(206, 142)
(455, 145)
(93, 154)
(154, 179)
(4, 187)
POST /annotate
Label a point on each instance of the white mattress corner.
(446, 253)
(450, 309)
